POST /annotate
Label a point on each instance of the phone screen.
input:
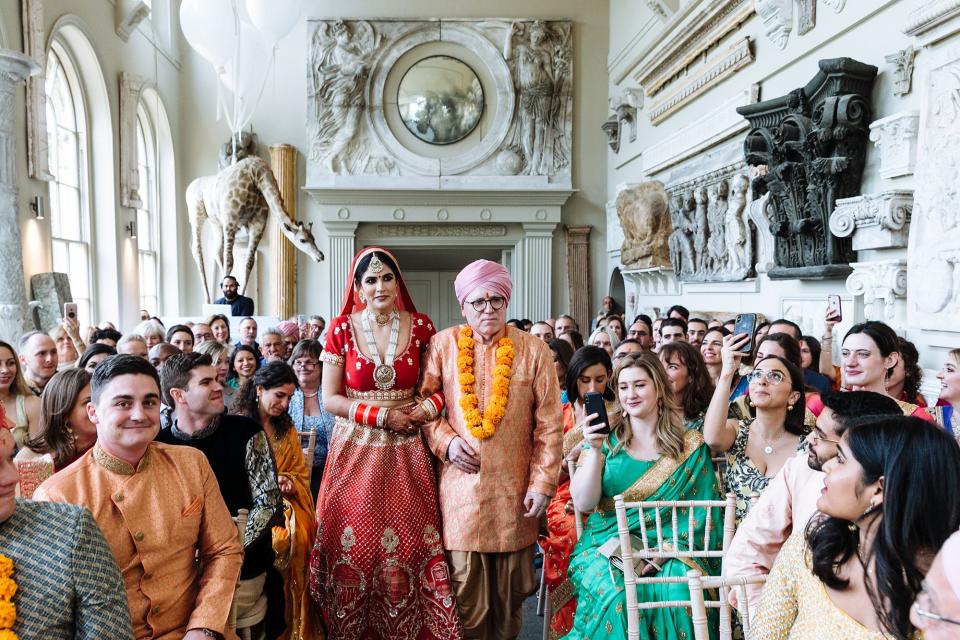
(593, 403)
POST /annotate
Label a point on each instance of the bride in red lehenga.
(378, 569)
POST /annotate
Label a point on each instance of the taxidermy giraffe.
(241, 196)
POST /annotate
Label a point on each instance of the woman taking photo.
(21, 407)
(265, 399)
(859, 566)
(306, 406)
(378, 499)
(757, 447)
(589, 371)
(64, 431)
(689, 380)
(648, 455)
(243, 364)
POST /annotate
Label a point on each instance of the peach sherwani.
(483, 512)
(154, 518)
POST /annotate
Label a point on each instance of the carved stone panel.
(896, 139)
(813, 141)
(874, 221)
(645, 221)
(777, 16)
(130, 88)
(35, 46)
(934, 251)
(711, 239)
(807, 19)
(902, 62)
(760, 214)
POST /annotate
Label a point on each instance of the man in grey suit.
(68, 584)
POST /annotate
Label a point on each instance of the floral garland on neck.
(483, 425)
(8, 587)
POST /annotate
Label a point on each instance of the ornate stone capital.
(896, 139)
(881, 284)
(777, 16)
(902, 62)
(652, 281)
(624, 114)
(875, 221)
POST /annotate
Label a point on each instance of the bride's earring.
(362, 297)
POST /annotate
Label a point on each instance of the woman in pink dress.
(378, 569)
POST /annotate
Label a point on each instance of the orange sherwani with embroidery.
(483, 511)
(154, 518)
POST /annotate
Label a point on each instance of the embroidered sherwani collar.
(116, 465)
(208, 430)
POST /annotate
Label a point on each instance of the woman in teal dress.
(648, 455)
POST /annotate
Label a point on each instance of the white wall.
(281, 118)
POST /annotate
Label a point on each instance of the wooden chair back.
(667, 547)
(241, 522)
(699, 605)
(310, 451)
(577, 516)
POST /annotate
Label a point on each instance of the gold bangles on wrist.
(432, 405)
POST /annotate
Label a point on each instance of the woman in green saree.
(648, 455)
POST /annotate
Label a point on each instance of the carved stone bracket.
(807, 19)
(128, 14)
(711, 239)
(777, 16)
(836, 5)
(35, 46)
(881, 284)
(813, 141)
(131, 87)
(652, 281)
(896, 138)
(624, 114)
(760, 214)
(875, 221)
(663, 8)
(902, 62)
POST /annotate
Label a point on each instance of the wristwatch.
(210, 633)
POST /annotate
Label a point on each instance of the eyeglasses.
(772, 377)
(203, 336)
(922, 608)
(496, 303)
(819, 438)
(305, 365)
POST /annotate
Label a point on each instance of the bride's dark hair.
(919, 512)
(364, 264)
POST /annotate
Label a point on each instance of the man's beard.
(813, 461)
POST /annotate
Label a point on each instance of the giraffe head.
(302, 238)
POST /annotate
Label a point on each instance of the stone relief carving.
(874, 221)
(624, 110)
(934, 244)
(777, 17)
(644, 219)
(836, 5)
(896, 139)
(35, 46)
(902, 62)
(881, 284)
(530, 113)
(130, 88)
(760, 213)
(711, 239)
(540, 55)
(813, 141)
(807, 19)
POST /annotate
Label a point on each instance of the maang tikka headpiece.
(376, 265)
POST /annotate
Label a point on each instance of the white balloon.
(210, 28)
(274, 18)
(252, 68)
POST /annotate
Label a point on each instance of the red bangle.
(433, 405)
(366, 414)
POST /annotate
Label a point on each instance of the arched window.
(69, 191)
(148, 214)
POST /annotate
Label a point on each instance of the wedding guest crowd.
(452, 470)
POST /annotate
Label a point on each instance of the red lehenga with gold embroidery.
(378, 568)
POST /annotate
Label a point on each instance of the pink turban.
(950, 558)
(492, 276)
(288, 328)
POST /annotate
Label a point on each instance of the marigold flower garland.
(483, 425)
(8, 588)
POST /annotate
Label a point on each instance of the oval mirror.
(440, 100)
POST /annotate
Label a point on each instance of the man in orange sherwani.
(500, 444)
(158, 506)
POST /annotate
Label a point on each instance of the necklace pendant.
(382, 319)
(768, 449)
(384, 376)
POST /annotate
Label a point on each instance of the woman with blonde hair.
(21, 407)
(648, 454)
(220, 354)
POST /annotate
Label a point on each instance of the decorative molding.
(719, 124)
(930, 14)
(813, 141)
(441, 230)
(716, 71)
(777, 17)
(875, 221)
(652, 281)
(660, 8)
(807, 19)
(131, 86)
(881, 284)
(128, 14)
(896, 139)
(35, 46)
(902, 62)
(578, 273)
(442, 197)
(684, 40)
(760, 213)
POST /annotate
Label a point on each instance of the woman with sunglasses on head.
(859, 566)
(589, 371)
(757, 447)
